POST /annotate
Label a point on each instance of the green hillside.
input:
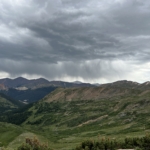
(7, 103)
(68, 116)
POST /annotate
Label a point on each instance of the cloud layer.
(91, 41)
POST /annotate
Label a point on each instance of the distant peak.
(42, 79)
(77, 82)
(125, 81)
(20, 78)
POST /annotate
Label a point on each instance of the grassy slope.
(5, 104)
(66, 123)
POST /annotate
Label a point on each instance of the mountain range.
(21, 83)
(29, 91)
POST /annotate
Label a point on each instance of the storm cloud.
(92, 41)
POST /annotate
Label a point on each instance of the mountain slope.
(83, 106)
(7, 103)
(88, 93)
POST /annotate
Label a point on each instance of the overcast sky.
(88, 40)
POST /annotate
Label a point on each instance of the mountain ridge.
(38, 83)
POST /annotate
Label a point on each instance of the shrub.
(137, 143)
(33, 144)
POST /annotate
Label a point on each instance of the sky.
(96, 41)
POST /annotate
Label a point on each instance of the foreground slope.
(8, 133)
(12, 136)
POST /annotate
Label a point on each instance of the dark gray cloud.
(94, 41)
